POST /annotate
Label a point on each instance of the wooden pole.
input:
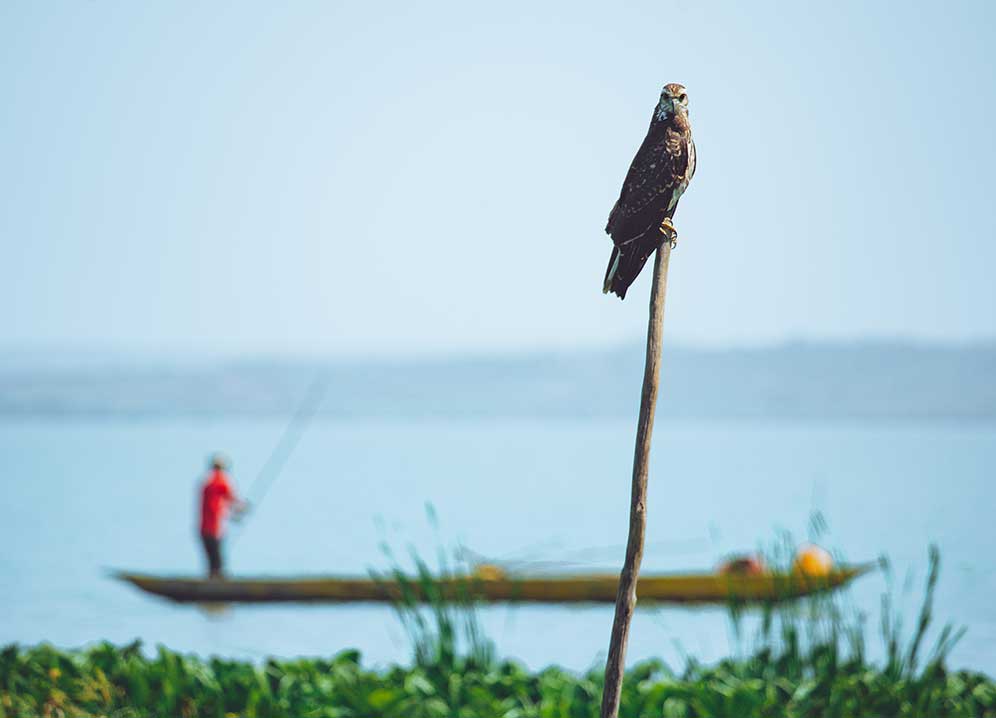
(626, 597)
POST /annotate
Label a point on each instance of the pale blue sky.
(368, 178)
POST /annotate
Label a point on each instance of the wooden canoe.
(666, 588)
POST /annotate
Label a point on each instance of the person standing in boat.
(217, 496)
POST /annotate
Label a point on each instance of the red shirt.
(216, 496)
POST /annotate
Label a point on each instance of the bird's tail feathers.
(624, 266)
(610, 272)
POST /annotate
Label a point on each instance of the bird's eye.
(684, 98)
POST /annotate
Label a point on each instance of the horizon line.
(62, 353)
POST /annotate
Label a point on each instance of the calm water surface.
(83, 496)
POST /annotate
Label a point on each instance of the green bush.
(120, 681)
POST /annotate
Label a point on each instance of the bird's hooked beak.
(665, 108)
(669, 106)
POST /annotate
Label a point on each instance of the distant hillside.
(876, 380)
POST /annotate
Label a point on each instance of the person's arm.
(239, 506)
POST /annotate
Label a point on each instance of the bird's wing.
(657, 170)
(692, 162)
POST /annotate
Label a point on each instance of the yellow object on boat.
(488, 572)
(812, 560)
(503, 588)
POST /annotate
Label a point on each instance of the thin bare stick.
(626, 597)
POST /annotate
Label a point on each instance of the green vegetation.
(440, 633)
(806, 661)
(108, 680)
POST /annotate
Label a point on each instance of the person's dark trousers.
(212, 547)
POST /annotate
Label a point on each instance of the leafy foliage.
(121, 681)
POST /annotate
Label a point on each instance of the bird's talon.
(669, 232)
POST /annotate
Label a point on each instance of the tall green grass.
(443, 634)
(829, 624)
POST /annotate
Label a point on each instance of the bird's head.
(674, 101)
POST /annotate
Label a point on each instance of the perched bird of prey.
(660, 173)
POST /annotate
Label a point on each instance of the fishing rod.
(295, 429)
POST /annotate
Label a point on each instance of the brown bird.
(658, 176)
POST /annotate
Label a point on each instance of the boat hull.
(670, 588)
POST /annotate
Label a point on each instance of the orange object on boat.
(812, 560)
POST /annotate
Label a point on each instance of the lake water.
(80, 497)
